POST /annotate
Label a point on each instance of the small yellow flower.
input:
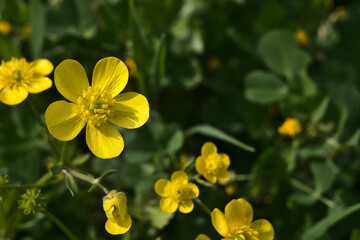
(177, 193)
(5, 27)
(290, 127)
(212, 165)
(302, 37)
(202, 237)
(119, 221)
(213, 63)
(99, 107)
(26, 30)
(130, 63)
(232, 188)
(237, 222)
(18, 78)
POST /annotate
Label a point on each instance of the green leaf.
(158, 218)
(320, 110)
(354, 139)
(80, 159)
(264, 88)
(7, 49)
(71, 184)
(281, 53)
(175, 142)
(107, 174)
(38, 23)
(355, 234)
(289, 153)
(55, 170)
(323, 172)
(211, 131)
(93, 187)
(317, 230)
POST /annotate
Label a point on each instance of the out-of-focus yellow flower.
(237, 222)
(18, 78)
(212, 165)
(176, 193)
(25, 30)
(231, 188)
(58, 176)
(5, 27)
(183, 160)
(202, 237)
(302, 37)
(342, 13)
(290, 127)
(99, 106)
(119, 221)
(213, 63)
(130, 63)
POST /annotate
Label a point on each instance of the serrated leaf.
(211, 131)
(71, 184)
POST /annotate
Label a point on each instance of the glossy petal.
(114, 229)
(264, 228)
(248, 211)
(161, 187)
(200, 165)
(194, 190)
(104, 141)
(202, 237)
(186, 206)
(63, 121)
(219, 222)
(110, 76)
(14, 95)
(168, 205)
(70, 79)
(179, 177)
(131, 110)
(208, 148)
(43, 67)
(211, 178)
(223, 175)
(225, 160)
(37, 85)
(235, 215)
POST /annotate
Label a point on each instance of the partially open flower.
(119, 221)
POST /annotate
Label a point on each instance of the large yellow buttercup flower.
(18, 78)
(177, 193)
(119, 221)
(211, 164)
(237, 222)
(99, 106)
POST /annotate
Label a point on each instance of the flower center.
(213, 164)
(181, 193)
(94, 106)
(246, 233)
(16, 75)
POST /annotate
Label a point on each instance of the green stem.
(203, 206)
(242, 177)
(311, 192)
(61, 225)
(88, 179)
(62, 153)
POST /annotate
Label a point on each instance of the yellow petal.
(131, 110)
(13, 95)
(264, 228)
(223, 175)
(194, 190)
(186, 206)
(211, 178)
(63, 121)
(114, 229)
(235, 215)
(219, 222)
(161, 187)
(37, 85)
(124, 222)
(121, 204)
(200, 165)
(70, 79)
(202, 237)
(43, 67)
(168, 205)
(110, 76)
(104, 141)
(179, 177)
(248, 211)
(208, 148)
(225, 160)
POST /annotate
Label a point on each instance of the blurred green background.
(213, 70)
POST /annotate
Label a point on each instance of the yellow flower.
(237, 223)
(99, 106)
(130, 63)
(302, 37)
(18, 78)
(202, 237)
(232, 188)
(119, 221)
(290, 127)
(212, 165)
(5, 27)
(177, 193)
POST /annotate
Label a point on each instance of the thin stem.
(62, 153)
(203, 206)
(86, 178)
(61, 225)
(311, 192)
(242, 177)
